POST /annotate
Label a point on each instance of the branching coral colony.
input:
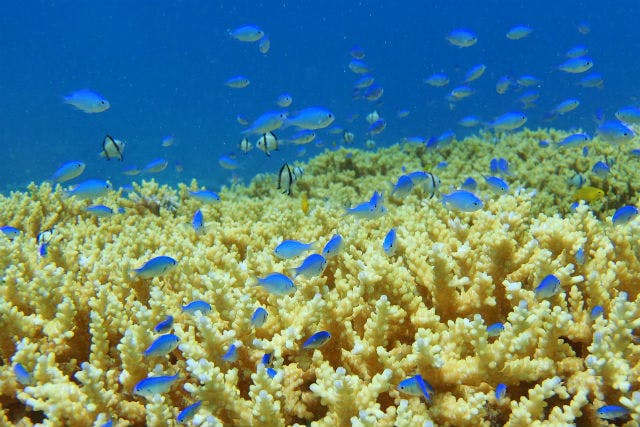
(407, 337)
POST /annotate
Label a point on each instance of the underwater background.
(162, 66)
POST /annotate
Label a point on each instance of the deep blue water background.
(162, 66)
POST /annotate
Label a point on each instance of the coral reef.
(79, 321)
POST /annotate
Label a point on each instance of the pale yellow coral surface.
(78, 319)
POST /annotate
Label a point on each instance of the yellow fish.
(304, 203)
(588, 194)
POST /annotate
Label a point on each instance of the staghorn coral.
(79, 321)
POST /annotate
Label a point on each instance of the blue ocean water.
(162, 66)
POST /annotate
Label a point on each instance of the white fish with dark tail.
(267, 143)
(245, 146)
(68, 171)
(286, 178)
(112, 148)
(87, 101)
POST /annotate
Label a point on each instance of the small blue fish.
(10, 232)
(189, 412)
(68, 171)
(469, 184)
(601, 169)
(168, 140)
(437, 80)
(509, 121)
(519, 32)
(566, 106)
(543, 144)
(503, 83)
(596, 312)
(377, 127)
(462, 38)
(614, 132)
(292, 248)
(156, 267)
(629, 115)
(312, 118)
(195, 306)
(151, 386)
(108, 424)
(237, 82)
(611, 412)
(528, 80)
(22, 375)
(311, 266)
(284, 100)
(575, 139)
(333, 247)
(474, 73)
(317, 340)
(495, 329)
(164, 325)
(267, 358)
(364, 82)
(267, 122)
(358, 66)
(577, 51)
(548, 287)
(501, 391)
(390, 245)
(624, 215)
(162, 345)
(231, 355)
(469, 121)
(247, 33)
(369, 210)
(462, 200)
(89, 189)
(87, 101)
(100, 211)
(131, 170)
(461, 92)
(357, 52)
(416, 386)
(43, 249)
(259, 317)
(205, 196)
(228, 163)
(496, 184)
(156, 165)
(576, 65)
(198, 222)
(302, 137)
(503, 166)
(271, 372)
(403, 186)
(585, 151)
(592, 80)
(580, 256)
(277, 284)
